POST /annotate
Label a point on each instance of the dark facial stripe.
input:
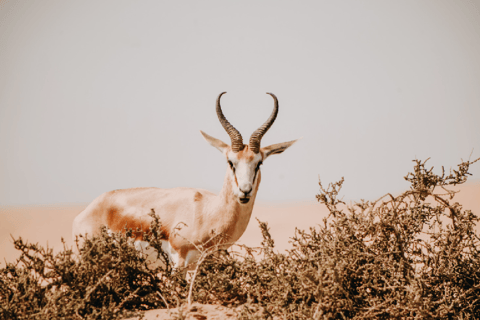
(255, 176)
(235, 175)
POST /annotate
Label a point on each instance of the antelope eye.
(258, 165)
(230, 164)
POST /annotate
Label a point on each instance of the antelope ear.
(214, 142)
(277, 148)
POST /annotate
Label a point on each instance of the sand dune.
(284, 218)
(45, 225)
(48, 224)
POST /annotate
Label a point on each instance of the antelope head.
(244, 160)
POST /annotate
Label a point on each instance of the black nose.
(246, 192)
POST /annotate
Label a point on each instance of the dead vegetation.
(411, 256)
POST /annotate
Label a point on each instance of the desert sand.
(46, 225)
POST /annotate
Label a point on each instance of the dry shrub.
(413, 256)
(108, 277)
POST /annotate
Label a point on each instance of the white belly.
(173, 256)
(151, 254)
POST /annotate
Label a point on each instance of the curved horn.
(256, 137)
(235, 136)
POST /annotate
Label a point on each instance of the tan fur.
(196, 220)
(245, 154)
(197, 197)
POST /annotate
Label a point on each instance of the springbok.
(200, 213)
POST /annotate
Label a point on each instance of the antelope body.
(190, 217)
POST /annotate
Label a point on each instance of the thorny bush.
(108, 278)
(411, 256)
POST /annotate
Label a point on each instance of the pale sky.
(103, 95)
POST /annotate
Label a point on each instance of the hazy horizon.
(96, 96)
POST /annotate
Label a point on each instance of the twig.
(165, 301)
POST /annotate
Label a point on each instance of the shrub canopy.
(415, 255)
